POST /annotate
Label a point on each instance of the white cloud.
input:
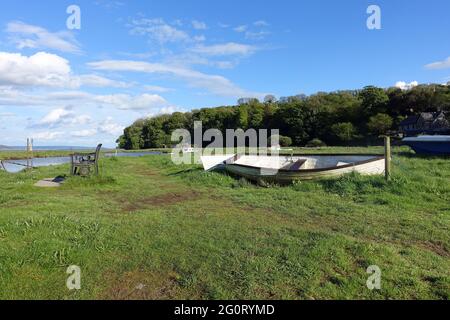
(92, 80)
(260, 23)
(41, 69)
(199, 25)
(256, 35)
(230, 48)
(214, 83)
(127, 102)
(158, 30)
(47, 135)
(406, 86)
(156, 88)
(144, 102)
(109, 4)
(200, 38)
(46, 70)
(62, 116)
(7, 115)
(168, 110)
(34, 37)
(445, 64)
(241, 29)
(110, 127)
(84, 133)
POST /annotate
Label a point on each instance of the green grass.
(184, 233)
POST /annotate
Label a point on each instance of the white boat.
(286, 169)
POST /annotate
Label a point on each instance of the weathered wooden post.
(29, 153)
(387, 156)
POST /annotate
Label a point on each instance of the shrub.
(315, 143)
(282, 140)
(285, 141)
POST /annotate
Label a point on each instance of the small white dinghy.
(286, 169)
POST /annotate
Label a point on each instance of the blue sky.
(132, 59)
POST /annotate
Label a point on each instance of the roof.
(427, 116)
(410, 120)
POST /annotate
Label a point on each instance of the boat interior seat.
(340, 164)
(297, 165)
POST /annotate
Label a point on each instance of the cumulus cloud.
(214, 83)
(62, 116)
(35, 37)
(406, 86)
(108, 126)
(47, 70)
(41, 69)
(444, 64)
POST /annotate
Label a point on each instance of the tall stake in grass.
(387, 156)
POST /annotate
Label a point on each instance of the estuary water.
(14, 166)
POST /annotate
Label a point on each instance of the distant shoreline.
(45, 148)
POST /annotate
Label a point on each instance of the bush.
(285, 141)
(315, 143)
(282, 140)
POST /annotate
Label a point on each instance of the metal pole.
(387, 156)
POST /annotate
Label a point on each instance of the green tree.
(373, 100)
(379, 124)
(344, 131)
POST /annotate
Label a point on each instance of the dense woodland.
(356, 117)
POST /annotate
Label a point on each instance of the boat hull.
(438, 148)
(257, 174)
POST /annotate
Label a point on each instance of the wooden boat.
(429, 145)
(286, 168)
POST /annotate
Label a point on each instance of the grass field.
(147, 229)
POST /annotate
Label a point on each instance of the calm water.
(14, 166)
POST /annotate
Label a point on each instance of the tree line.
(350, 117)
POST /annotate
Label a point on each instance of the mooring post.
(29, 153)
(387, 156)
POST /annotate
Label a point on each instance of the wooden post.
(29, 153)
(387, 155)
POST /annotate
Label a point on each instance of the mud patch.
(163, 200)
(140, 285)
(148, 173)
(435, 247)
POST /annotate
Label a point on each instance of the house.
(425, 122)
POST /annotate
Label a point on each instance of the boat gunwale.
(378, 157)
